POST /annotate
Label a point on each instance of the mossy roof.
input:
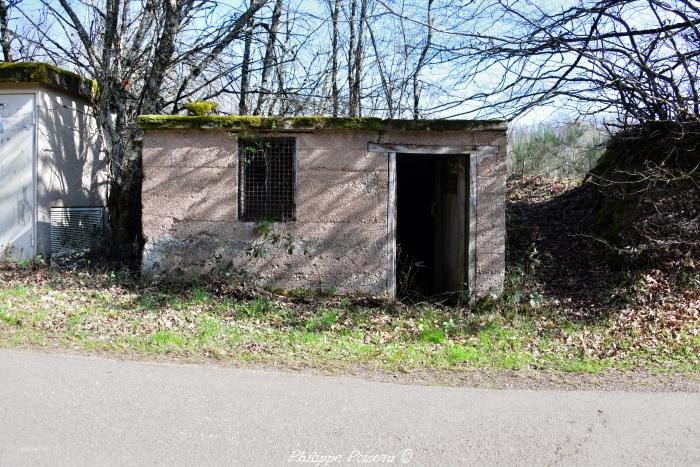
(47, 75)
(253, 123)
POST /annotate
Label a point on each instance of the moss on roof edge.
(247, 123)
(48, 75)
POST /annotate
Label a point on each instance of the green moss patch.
(48, 75)
(249, 122)
(201, 108)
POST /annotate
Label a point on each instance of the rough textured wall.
(491, 214)
(190, 213)
(71, 167)
(339, 241)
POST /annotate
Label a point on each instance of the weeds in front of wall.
(406, 283)
(515, 331)
(268, 239)
(6, 261)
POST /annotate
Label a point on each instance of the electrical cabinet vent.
(75, 229)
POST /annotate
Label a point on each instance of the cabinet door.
(17, 197)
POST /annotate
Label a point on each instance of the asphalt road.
(72, 410)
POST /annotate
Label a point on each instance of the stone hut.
(359, 205)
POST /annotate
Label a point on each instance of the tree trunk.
(245, 69)
(351, 54)
(164, 51)
(269, 59)
(238, 26)
(421, 62)
(357, 82)
(5, 32)
(334, 52)
(382, 74)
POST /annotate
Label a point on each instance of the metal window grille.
(267, 179)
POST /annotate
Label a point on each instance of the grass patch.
(207, 328)
(98, 313)
(434, 335)
(149, 301)
(16, 291)
(167, 339)
(9, 318)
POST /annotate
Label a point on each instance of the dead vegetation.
(623, 246)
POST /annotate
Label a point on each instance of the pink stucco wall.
(339, 238)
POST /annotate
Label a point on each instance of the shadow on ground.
(552, 244)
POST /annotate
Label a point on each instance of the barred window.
(267, 179)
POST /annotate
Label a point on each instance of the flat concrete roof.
(310, 123)
(47, 75)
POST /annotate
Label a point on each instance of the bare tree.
(5, 32)
(388, 96)
(245, 69)
(352, 110)
(638, 58)
(334, 54)
(269, 60)
(132, 54)
(421, 62)
(356, 101)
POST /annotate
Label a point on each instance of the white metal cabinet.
(17, 193)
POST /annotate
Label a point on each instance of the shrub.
(556, 151)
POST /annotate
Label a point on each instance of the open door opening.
(431, 226)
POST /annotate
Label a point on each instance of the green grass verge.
(100, 313)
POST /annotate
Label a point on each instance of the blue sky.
(314, 21)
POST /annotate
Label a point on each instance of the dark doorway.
(431, 225)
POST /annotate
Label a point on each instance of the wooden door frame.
(476, 155)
